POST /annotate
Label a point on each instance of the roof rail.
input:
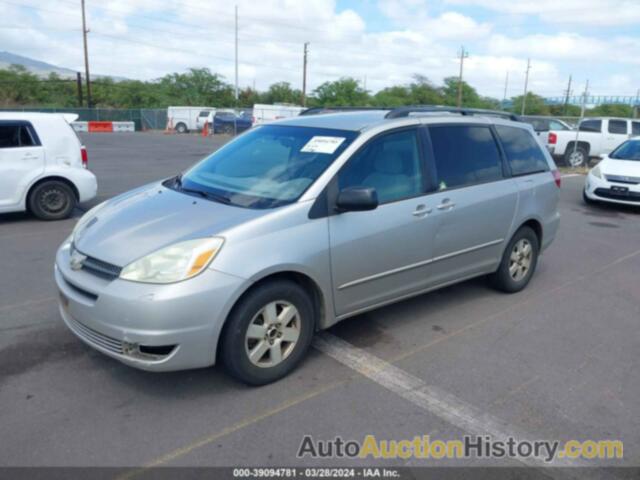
(319, 110)
(406, 111)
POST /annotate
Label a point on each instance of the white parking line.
(569, 175)
(438, 402)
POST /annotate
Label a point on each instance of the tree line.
(200, 86)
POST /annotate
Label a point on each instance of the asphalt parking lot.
(556, 361)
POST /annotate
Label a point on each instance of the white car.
(43, 165)
(616, 178)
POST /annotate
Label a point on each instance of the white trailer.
(263, 113)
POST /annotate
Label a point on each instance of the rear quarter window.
(523, 152)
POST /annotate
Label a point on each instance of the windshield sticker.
(323, 145)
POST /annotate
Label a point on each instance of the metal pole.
(463, 55)
(506, 85)
(86, 53)
(79, 85)
(236, 52)
(566, 98)
(304, 75)
(526, 85)
(584, 101)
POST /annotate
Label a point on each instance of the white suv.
(43, 165)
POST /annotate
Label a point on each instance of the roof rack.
(406, 111)
(319, 110)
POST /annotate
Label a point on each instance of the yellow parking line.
(164, 459)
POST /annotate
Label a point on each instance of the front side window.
(554, 125)
(465, 155)
(523, 151)
(267, 167)
(591, 126)
(12, 136)
(629, 150)
(390, 164)
(618, 126)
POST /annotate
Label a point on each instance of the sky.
(378, 42)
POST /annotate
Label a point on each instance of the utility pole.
(86, 53)
(526, 85)
(304, 74)
(506, 85)
(566, 97)
(463, 54)
(236, 52)
(637, 104)
(584, 102)
(79, 85)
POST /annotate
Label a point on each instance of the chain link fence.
(143, 118)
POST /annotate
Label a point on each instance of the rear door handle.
(446, 205)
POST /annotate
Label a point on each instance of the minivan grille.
(101, 269)
(96, 338)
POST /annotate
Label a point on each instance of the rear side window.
(618, 126)
(12, 136)
(523, 151)
(591, 126)
(465, 155)
(635, 128)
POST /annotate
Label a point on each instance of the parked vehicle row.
(594, 137)
(245, 255)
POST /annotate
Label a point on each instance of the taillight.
(557, 177)
(84, 156)
(553, 138)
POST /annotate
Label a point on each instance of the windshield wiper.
(177, 181)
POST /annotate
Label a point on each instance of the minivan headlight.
(174, 263)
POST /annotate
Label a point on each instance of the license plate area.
(619, 190)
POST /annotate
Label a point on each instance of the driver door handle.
(422, 210)
(446, 205)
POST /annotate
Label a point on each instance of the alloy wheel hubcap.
(520, 259)
(272, 334)
(576, 159)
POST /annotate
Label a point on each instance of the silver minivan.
(299, 224)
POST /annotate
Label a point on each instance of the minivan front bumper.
(147, 326)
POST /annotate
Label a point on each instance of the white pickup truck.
(595, 136)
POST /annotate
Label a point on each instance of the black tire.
(580, 150)
(52, 200)
(502, 279)
(181, 128)
(234, 345)
(228, 129)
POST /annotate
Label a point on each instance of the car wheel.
(576, 158)
(181, 128)
(268, 332)
(52, 200)
(518, 262)
(228, 129)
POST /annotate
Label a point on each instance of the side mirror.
(357, 199)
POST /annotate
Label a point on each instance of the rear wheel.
(518, 262)
(181, 128)
(52, 200)
(268, 332)
(577, 157)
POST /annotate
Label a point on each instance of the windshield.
(629, 150)
(269, 166)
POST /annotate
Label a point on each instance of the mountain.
(42, 69)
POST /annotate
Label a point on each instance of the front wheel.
(268, 332)
(518, 262)
(52, 200)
